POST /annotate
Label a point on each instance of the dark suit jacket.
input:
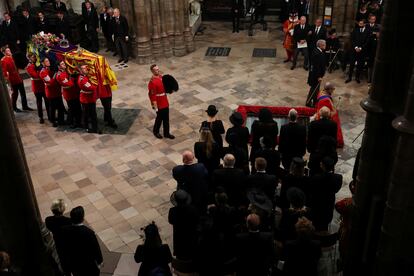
(61, 8)
(372, 39)
(120, 29)
(315, 37)
(27, 28)
(152, 258)
(84, 10)
(360, 39)
(292, 140)
(242, 136)
(211, 162)
(272, 158)
(43, 26)
(233, 181)
(255, 253)
(264, 182)
(193, 179)
(10, 32)
(260, 129)
(299, 34)
(106, 25)
(82, 251)
(320, 128)
(301, 257)
(91, 19)
(62, 27)
(318, 66)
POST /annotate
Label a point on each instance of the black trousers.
(109, 43)
(121, 47)
(16, 89)
(56, 105)
(93, 39)
(305, 53)
(163, 116)
(359, 58)
(107, 106)
(74, 112)
(89, 114)
(40, 98)
(236, 22)
(313, 94)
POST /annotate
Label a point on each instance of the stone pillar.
(3, 8)
(156, 28)
(179, 45)
(392, 72)
(20, 222)
(143, 51)
(188, 36)
(127, 9)
(165, 20)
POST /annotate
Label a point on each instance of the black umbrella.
(170, 84)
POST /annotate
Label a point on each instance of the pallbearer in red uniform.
(11, 74)
(105, 95)
(70, 93)
(159, 102)
(38, 87)
(53, 94)
(88, 95)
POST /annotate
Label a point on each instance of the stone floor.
(123, 179)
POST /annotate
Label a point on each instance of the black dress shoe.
(113, 125)
(358, 81)
(286, 60)
(114, 54)
(306, 68)
(120, 60)
(158, 135)
(348, 80)
(125, 60)
(27, 108)
(169, 136)
(91, 130)
(293, 67)
(17, 110)
(41, 121)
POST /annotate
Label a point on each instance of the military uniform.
(159, 102)
(11, 74)
(70, 93)
(54, 95)
(105, 95)
(38, 88)
(88, 95)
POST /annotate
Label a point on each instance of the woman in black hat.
(153, 254)
(240, 132)
(214, 124)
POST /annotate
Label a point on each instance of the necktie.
(301, 26)
(317, 30)
(360, 30)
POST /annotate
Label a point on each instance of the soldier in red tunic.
(38, 87)
(88, 95)
(53, 94)
(11, 74)
(105, 95)
(70, 93)
(159, 102)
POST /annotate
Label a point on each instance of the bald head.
(253, 222)
(228, 161)
(324, 112)
(188, 157)
(293, 115)
(329, 88)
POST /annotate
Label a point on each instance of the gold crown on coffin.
(64, 43)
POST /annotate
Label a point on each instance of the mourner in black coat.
(318, 32)
(10, 33)
(261, 181)
(43, 24)
(373, 37)
(62, 26)
(236, 13)
(322, 127)
(292, 140)
(265, 126)
(27, 26)
(301, 34)
(360, 39)
(59, 6)
(106, 19)
(239, 134)
(120, 32)
(91, 20)
(316, 72)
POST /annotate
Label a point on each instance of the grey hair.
(228, 161)
(293, 115)
(320, 42)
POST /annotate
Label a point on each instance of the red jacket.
(69, 90)
(37, 83)
(52, 87)
(88, 90)
(10, 72)
(105, 92)
(156, 92)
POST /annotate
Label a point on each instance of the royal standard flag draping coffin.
(100, 73)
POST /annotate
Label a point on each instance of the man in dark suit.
(43, 23)
(120, 31)
(318, 128)
(292, 140)
(90, 18)
(255, 250)
(316, 72)
(83, 255)
(27, 28)
(236, 12)
(192, 178)
(318, 32)
(10, 33)
(106, 18)
(231, 179)
(62, 26)
(85, 9)
(374, 32)
(324, 187)
(58, 6)
(301, 34)
(359, 39)
(261, 181)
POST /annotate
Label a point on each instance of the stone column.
(156, 28)
(170, 20)
(20, 222)
(127, 9)
(165, 41)
(179, 48)
(188, 36)
(143, 50)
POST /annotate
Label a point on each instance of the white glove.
(126, 38)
